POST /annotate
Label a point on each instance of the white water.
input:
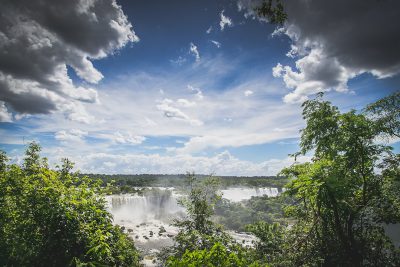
(237, 194)
(144, 215)
(151, 206)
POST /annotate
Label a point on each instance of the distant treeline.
(167, 180)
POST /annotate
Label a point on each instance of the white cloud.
(5, 116)
(220, 164)
(278, 31)
(178, 61)
(209, 30)
(199, 93)
(316, 73)
(170, 110)
(185, 103)
(225, 21)
(194, 51)
(74, 135)
(217, 44)
(128, 138)
(248, 93)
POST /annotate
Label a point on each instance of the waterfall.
(152, 205)
(237, 194)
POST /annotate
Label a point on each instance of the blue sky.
(198, 86)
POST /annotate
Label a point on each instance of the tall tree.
(345, 195)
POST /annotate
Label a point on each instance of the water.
(237, 194)
(153, 205)
(147, 218)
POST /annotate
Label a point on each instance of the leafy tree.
(386, 114)
(217, 256)
(55, 218)
(200, 242)
(347, 193)
(273, 10)
(270, 241)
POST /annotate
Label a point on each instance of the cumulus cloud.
(217, 44)
(39, 39)
(194, 51)
(225, 21)
(208, 31)
(334, 42)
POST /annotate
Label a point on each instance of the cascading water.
(236, 194)
(152, 205)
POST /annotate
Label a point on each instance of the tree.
(217, 256)
(200, 242)
(55, 218)
(346, 194)
(386, 114)
(272, 10)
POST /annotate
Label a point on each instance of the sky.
(184, 86)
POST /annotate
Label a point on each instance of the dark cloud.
(38, 39)
(334, 41)
(361, 34)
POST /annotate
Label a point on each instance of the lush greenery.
(55, 218)
(346, 195)
(237, 215)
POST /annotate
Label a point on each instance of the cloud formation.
(334, 41)
(225, 21)
(248, 93)
(194, 51)
(5, 116)
(74, 135)
(217, 44)
(171, 110)
(39, 39)
(220, 164)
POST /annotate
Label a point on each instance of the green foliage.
(270, 241)
(386, 114)
(199, 239)
(55, 218)
(272, 10)
(342, 200)
(199, 204)
(236, 215)
(217, 256)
